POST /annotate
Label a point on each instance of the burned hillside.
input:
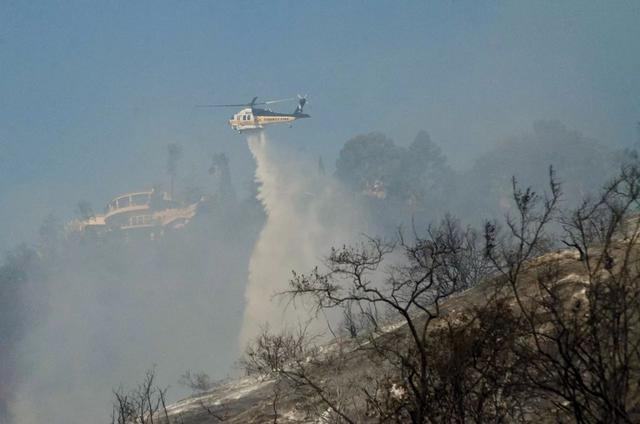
(460, 325)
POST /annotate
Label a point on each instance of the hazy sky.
(92, 92)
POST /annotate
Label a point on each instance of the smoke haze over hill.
(417, 110)
(105, 310)
(95, 312)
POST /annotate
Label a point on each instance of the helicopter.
(252, 118)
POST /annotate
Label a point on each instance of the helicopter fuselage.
(255, 119)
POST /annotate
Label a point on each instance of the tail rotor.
(302, 100)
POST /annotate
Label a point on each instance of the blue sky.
(92, 92)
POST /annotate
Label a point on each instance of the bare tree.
(283, 357)
(142, 405)
(408, 281)
(581, 345)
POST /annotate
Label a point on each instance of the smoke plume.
(307, 213)
(113, 308)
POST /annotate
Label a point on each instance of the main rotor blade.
(278, 101)
(249, 104)
(222, 105)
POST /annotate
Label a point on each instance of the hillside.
(458, 325)
(250, 400)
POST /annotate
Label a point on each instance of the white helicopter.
(252, 118)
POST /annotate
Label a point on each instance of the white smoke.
(307, 214)
(114, 312)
